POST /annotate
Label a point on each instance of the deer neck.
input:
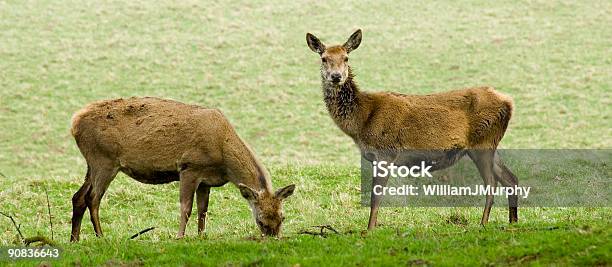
(343, 104)
(242, 166)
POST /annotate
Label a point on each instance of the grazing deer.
(383, 124)
(158, 141)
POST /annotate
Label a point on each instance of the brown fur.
(469, 118)
(471, 121)
(158, 141)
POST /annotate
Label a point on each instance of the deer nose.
(336, 77)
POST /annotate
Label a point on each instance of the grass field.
(251, 60)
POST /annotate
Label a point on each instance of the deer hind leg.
(102, 174)
(484, 162)
(508, 179)
(188, 184)
(79, 205)
(203, 192)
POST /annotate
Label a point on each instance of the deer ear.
(247, 192)
(353, 42)
(315, 44)
(284, 192)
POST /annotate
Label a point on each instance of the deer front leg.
(188, 184)
(375, 200)
(369, 157)
(202, 194)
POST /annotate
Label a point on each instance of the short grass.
(250, 59)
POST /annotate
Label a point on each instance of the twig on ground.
(142, 232)
(2, 174)
(306, 232)
(321, 231)
(49, 211)
(526, 229)
(27, 241)
(15, 224)
(328, 227)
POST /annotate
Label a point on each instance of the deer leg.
(203, 193)
(484, 162)
(101, 179)
(79, 206)
(188, 185)
(508, 179)
(375, 201)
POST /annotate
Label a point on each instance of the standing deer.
(383, 124)
(158, 141)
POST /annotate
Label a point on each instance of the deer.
(397, 127)
(158, 141)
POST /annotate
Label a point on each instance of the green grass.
(251, 60)
(327, 195)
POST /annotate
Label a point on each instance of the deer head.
(334, 59)
(267, 208)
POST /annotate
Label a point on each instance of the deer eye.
(324, 60)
